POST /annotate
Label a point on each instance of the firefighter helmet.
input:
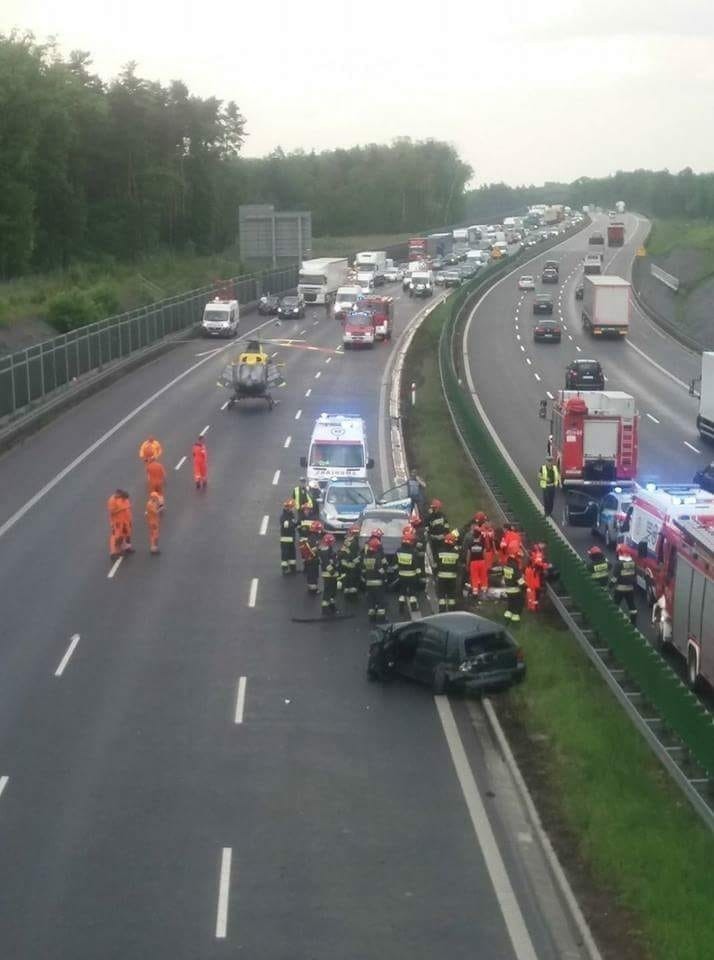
(289, 504)
(435, 505)
(315, 527)
(373, 544)
(480, 517)
(595, 551)
(328, 539)
(354, 529)
(378, 533)
(408, 535)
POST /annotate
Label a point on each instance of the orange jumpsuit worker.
(200, 463)
(154, 508)
(155, 477)
(150, 448)
(127, 521)
(115, 508)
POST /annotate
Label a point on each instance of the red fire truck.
(686, 603)
(594, 437)
(382, 309)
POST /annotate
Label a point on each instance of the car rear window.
(589, 369)
(486, 643)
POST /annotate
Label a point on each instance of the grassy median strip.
(639, 858)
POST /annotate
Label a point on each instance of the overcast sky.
(526, 91)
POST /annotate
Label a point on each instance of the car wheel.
(440, 683)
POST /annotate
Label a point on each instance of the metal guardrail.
(30, 376)
(675, 725)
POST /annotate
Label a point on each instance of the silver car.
(613, 516)
(344, 502)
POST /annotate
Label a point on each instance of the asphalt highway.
(185, 771)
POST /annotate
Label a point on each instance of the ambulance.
(338, 448)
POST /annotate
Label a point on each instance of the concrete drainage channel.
(672, 751)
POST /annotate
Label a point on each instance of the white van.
(338, 448)
(346, 299)
(220, 318)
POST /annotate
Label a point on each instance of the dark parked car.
(437, 264)
(584, 375)
(549, 275)
(547, 331)
(543, 303)
(452, 278)
(448, 652)
(596, 238)
(292, 307)
(268, 305)
(579, 291)
(552, 265)
(705, 478)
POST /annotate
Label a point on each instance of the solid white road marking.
(205, 430)
(318, 374)
(114, 568)
(691, 446)
(3, 783)
(308, 391)
(224, 405)
(240, 700)
(510, 908)
(224, 882)
(65, 659)
(287, 443)
(649, 359)
(276, 477)
(253, 595)
(180, 463)
(264, 525)
(549, 395)
(537, 376)
(298, 414)
(209, 353)
(653, 419)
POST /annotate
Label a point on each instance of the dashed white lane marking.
(529, 361)
(276, 477)
(318, 374)
(264, 525)
(115, 566)
(510, 908)
(691, 446)
(240, 700)
(549, 395)
(653, 419)
(3, 783)
(180, 463)
(537, 376)
(570, 336)
(303, 332)
(518, 336)
(298, 414)
(205, 430)
(308, 391)
(224, 883)
(273, 355)
(328, 360)
(288, 441)
(65, 659)
(605, 378)
(579, 349)
(315, 323)
(224, 405)
(253, 595)
(523, 348)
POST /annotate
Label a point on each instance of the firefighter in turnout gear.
(306, 519)
(437, 525)
(374, 573)
(549, 479)
(447, 572)
(622, 582)
(417, 525)
(310, 557)
(288, 527)
(514, 587)
(349, 560)
(408, 569)
(330, 573)
(598, 565)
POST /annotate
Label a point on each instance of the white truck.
(606, 306)
(551, 215)
(620, 206)
(370, 266)
(319, 280)
(705, 417)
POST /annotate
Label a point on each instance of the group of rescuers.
(119, 503)
(466, 562)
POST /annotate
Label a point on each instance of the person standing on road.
(127, 521)
(115, 509)
(300, 495)
(374, 571)
(200, 464)
(330, 573)
(476, 559)
(154, 510)
(288, 526)
(349, 561)
(549, 479)
(150, 449)
(622, 582)
(310, 557)
(156, 476)
(415, 490)
(514, 586)
(598, 566)
(447, 572)
(437, 525)
(408, 570)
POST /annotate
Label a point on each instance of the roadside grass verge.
(341, 246)
(666, 235)
(638, 857)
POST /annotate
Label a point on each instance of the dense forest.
(93, 170)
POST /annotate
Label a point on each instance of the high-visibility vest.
(301, 500)
(625, 576)
(447, 563)
(599, 570)
(513, 578)
(549, 476)
(405, 563)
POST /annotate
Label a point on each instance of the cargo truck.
(592, 264)
(370, 266)
(703, 387)
(620, 206)
(615, 233)
(606, 306)
(439, 244)
(417, 248)
(594, 437)
(320, 279)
